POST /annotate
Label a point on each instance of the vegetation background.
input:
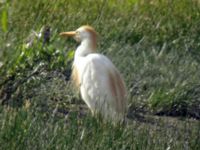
(154, 43)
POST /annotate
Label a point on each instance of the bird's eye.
(77, 37)
(77, 32)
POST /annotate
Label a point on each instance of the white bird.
(100, 83)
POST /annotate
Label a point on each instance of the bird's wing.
(102, 85)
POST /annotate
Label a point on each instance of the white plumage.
(100, 83)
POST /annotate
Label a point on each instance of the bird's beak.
(69, 34)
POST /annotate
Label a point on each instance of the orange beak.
(69, 34)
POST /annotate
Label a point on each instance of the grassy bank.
(155, 44)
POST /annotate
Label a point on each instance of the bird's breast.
(75, 76)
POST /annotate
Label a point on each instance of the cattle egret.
(100, 83)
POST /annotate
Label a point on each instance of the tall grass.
(155, 45)
(28, 128)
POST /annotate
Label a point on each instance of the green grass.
(28, 128)
(155, 44)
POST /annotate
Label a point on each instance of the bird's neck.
(86, 47)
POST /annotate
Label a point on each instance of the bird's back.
(101, 86)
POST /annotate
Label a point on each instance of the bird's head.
(84, 33)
